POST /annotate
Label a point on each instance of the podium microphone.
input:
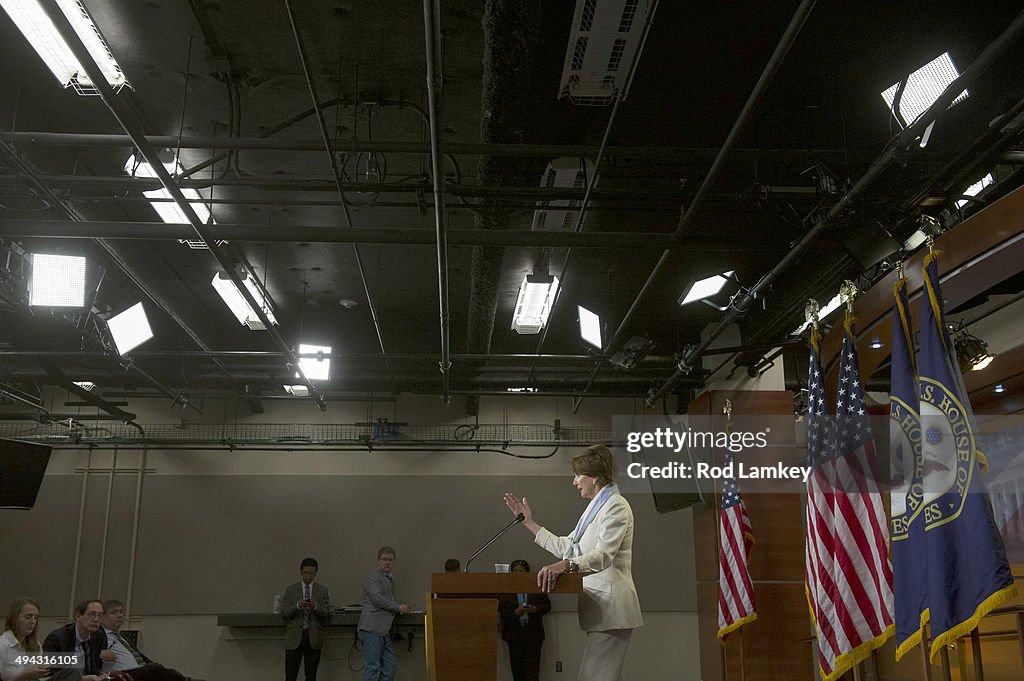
(518, 519)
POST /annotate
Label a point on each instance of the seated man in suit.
(126, 656)
(306, 610)
(82, 636)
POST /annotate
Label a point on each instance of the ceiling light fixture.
(971, 352)
(237, 303)
(164, 204)
(975, 189)
(702, 289)
(604, 44)
(533, 306)
(85, 385)
(130, 329)
(57, 281)
(318, 367)
(1000, 388)
(43, 36)
(565, 172)
(921, 89)
(876, 344)
(298, 390)
(590, 326)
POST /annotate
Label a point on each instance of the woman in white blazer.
(601, 547)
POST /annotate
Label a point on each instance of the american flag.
(735, 592)
(849, 576)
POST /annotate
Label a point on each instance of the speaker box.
(22, 466)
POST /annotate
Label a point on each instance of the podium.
(462, 617)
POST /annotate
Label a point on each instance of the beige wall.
(223, 531)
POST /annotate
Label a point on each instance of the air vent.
(602, 49)
(562, 172)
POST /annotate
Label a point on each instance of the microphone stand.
(518, 519)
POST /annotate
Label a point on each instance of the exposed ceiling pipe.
(683, 155)
(30, 175)
(770, 69)
(432, 37)
(900, 142)
(127, 121)
(328, 147)
(162, 231)
(310, 183)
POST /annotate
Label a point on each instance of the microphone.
(515, 521)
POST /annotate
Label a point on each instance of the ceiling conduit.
(770, 69)
(895, 146)
(127, 121)
(432, 36)
(329, 148)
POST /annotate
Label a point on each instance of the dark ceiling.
(817, 185)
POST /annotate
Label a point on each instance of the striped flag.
(907, 525)
(735, 592)
(850, 590)
(967, 572)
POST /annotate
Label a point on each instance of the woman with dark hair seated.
(522, 628)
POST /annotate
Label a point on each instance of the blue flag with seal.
(906, 524)
(967, 573)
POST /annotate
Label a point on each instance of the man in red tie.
(306, 608)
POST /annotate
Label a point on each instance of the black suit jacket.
(62, 640)
(511, 628)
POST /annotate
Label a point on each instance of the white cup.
(501, 567)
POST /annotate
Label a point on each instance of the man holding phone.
(306, 608)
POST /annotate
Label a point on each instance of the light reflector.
(236, 302)
(924, 87)
(57, 280)
(590, 326)
(130, 329)
(533, 306)
(43, 36)
(705, 288)
(315, 368)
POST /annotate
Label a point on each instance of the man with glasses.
(380, 605)
(82, 636)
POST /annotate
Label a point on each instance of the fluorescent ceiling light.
(57, 280)
(167, 209)
(298, 390)
(533, 306)
(924, 87)
(85, 385)
(236, 302)
(590, 326)
(130, 329)
(705, 288)
(315, 368)
(975, 189)
(43, 36)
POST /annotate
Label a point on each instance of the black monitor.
(22, 466)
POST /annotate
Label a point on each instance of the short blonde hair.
(386, 549)
(596, 461)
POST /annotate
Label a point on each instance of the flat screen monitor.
(22, 466)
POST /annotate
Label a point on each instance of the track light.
(533, 306)
(43, 36)
(590, 326)
(921, 89)
(237, 303)
(57, 281)
(130, 329)
(315, 368)
(702, 289)
(971, 352)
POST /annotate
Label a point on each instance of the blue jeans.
(379, 661)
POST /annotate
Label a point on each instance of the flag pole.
(926, 664)
(743, 663)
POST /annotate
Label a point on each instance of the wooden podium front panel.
(447, 584)
(463, 644)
